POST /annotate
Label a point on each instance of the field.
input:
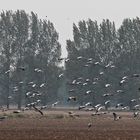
(59, 125)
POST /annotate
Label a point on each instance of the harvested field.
(59, 125)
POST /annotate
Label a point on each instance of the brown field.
(58, 125)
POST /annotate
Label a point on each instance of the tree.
(7, 50)
(21, 27)
(28, 43)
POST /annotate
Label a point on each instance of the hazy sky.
(63, 13)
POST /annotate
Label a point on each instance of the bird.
(122, 81)
(30, 83)
(98, 107)
(16, 111)
(9, 97)
(54, 104)
(28, 105)
(107, 65)
(107, 85)
(71, 90)
(38, 70)
(80, 78)
(119, 105)
(112, 66)
(72, 114)
(135, 114)
(89, 109)
(136, 75)
(38, 110)
(15, 89)
(101, 73)
(81, 107)
(133, 100)
(42, 85)
(34, 85)
(88, 92)
(90, 59)
(32, 95)
(107, 102)
(71, 98)
(61, 75)
(86, 65)
(7, 71)
(60, 59)
(28, 94)
(107, 94)
(43, 107)
(67, 60)
(21, 82)
(38, 94)
(78, 83)
(21, 68)
(94, 83)
(116, 117)
(74, 82)
(137, 107)
(125, 77)
(3, 117)
(89, 125)
(96, 79)
(87, 80)
(79, 57)
(125, 108)
(89, 62)
(33, 104)
(25, 108)
(84, 84)
(97, 63)
(88, 104)
(119, 91)
(38, 101)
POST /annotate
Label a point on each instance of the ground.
(57, 124)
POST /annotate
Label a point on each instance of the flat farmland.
(59, 125)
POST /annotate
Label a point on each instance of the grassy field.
(59, 125)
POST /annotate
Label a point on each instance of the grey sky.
(64, 12)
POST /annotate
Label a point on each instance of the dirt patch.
(58, 125)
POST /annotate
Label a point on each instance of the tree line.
(29, 52)
(102, 55)
(30, 57)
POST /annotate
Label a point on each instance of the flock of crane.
(34, 101)
(134, 103)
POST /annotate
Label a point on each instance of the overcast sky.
(63, 13)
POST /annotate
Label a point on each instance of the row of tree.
(30, 60)
(106, 45)
(27, 43)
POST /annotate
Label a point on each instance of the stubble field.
(58, 125)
